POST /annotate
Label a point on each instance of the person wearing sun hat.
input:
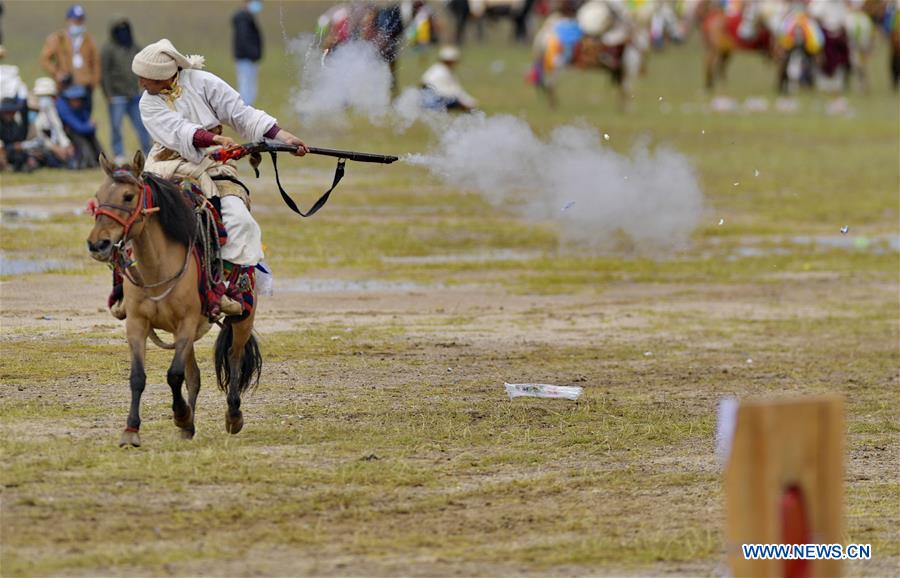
(50, 136)
(440, 87)
(184, 108)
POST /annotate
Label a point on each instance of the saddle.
(217, 278)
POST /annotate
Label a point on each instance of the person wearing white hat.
(184, 109)
(50, 135)
(440, 87)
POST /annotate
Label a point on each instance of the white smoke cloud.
(351, 78)
(650, 199)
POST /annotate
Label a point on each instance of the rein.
(120, 259)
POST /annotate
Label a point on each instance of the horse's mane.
(176, 216)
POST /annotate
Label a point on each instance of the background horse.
(886, 15)
(789, 37)
(162, 292)
(595, 36)
(478, 11)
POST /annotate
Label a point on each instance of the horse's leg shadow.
(238, 366)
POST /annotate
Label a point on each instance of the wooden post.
(784, 479)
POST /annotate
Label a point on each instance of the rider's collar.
(173, 92)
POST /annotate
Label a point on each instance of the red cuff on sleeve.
(203, 138)
(272, 131)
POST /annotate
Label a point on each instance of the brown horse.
(161, 292)
(722, 37)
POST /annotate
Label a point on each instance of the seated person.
(13, 135)
(440, 88)
(49, 135)
(76, 118)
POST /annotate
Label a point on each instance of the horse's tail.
(251, 360)
(159, 342)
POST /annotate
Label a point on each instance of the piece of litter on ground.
(335, 337)
(515, 390)
(749, 360)
(567, 206)
(660, 99)
(755, 172)
(726, 420)
(449, 370)
(648, 353)
(845, 229)
(737, 183)
(703, 131)
(606, 136)
(721, 222)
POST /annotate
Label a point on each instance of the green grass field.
(380, 440)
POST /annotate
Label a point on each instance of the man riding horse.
(184, 109)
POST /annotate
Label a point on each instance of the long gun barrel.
(243, 150)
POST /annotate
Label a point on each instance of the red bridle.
(143, 206)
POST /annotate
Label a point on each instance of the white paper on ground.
(542, 390)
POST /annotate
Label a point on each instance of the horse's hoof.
(185, 421)
(187, 433)
(130, 438)
(234, 425)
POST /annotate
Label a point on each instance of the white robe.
(207, 101)
(440, 78)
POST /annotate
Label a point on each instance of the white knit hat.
(160, 61)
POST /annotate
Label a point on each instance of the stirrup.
(118, 309)
(230, 307)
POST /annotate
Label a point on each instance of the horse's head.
(120, 199)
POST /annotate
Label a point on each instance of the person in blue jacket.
(81, 130)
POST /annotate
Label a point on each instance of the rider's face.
(155, 86)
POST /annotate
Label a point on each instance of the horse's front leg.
(192, 377)
(182, 412)
(137, 331)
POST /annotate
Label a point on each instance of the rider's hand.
(287, 138)
(225, 141)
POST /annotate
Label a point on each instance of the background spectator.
(13, 134)
(11, 84)
(49, 135)
(79, 127)
(440, 87)
(70, 55)
(120, 85)
(248, 49)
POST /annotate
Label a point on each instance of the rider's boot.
(116, 300)
(230, 307)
